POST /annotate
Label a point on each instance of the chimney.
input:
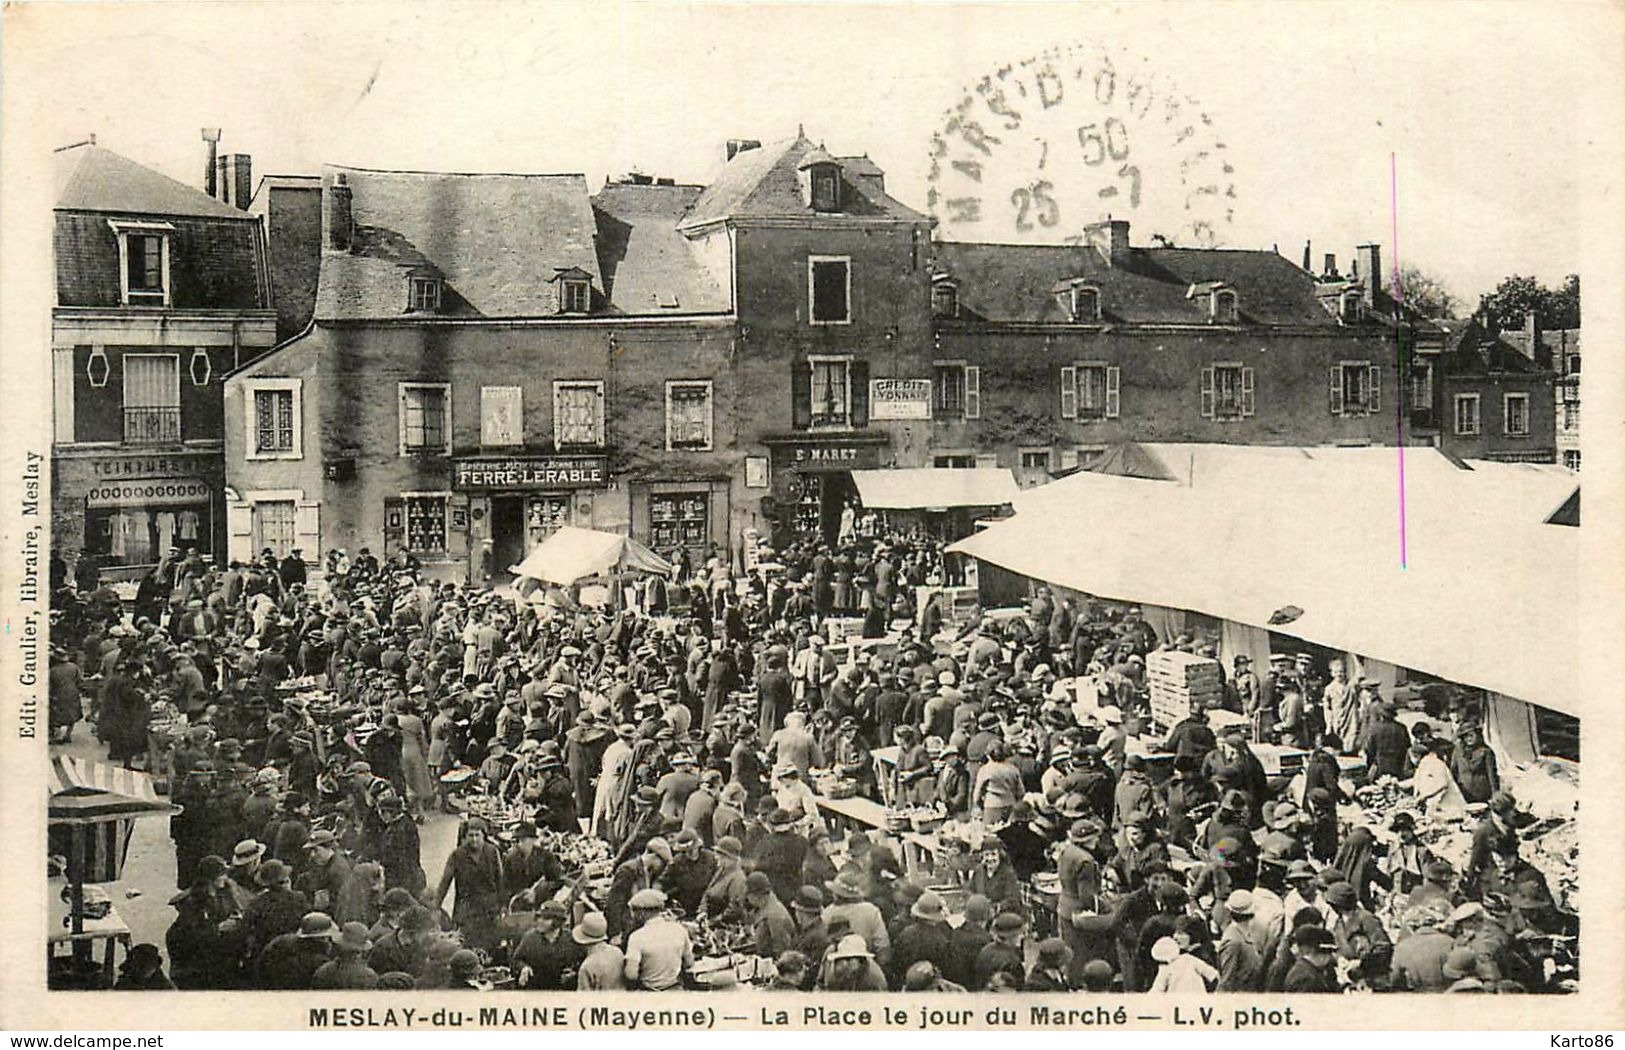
(1538, 351)
(234, 183)
(1306, 257)
(211, 139)
(1368, 257)
(338, 227)
(738, 146)
(1330, 272)
(1109, 238)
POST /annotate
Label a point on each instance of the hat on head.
(418, 919)
(1341, 894)
(1008, 922)
(757, 884)
(782, 818)
(316, 925)
(1299, 869)
(247, 852)
(688, 837)
(353, 937)
(463, 963)
(552, 910)
(852, 946)
(593, 929)
(848, 885)
(397, 898)
(659, 847)
(648, 899)
(1239, 903)
(1503, 803)
(728, 846)
(1166, 949)
(322, 837)
(210, 867)
(1438, 871)
(929, 906)
(809, 899)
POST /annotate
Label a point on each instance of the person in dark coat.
(143, 971)
(558, 796)
(475, 868)
(276, 910)
(398, 847)
(290, 961)
(530, 866)
(205, 941)
(1315, 949)
(780, 854)
(928, 938)
(775, 693)
(292, 568)
(1385, 744)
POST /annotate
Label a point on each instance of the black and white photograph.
(1070, 502)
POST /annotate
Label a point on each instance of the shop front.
(682, 514)
(812, 481)
(513, 503)
(126, 512)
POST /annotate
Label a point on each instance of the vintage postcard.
(759, 516)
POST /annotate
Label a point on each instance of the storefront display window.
(680, 519)
(426, 523)
(545, 515)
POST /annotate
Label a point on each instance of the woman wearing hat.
(475, 867)
(348, 968)
(207, 937)
(724, 897)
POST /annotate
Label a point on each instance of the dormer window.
(143, 249)
(575, 290)
(424, 294)
(820, 181)
(945, 298)
(1349, 307)
(1085, 303)
(1223, 306)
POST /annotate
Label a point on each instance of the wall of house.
(294, 253)
(1492, 441)
(351, 416)
(1160, 387)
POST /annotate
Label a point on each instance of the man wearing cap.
(690, 873)
(1241, 946)
(404, 948)
(1134, 796)
(851, 906)
(780, 852)
(325, 871)
(1004, 953)
(547, 955)
(398, 846)
(528, 866)
(632, 876)
(658, 950)
(1496, 833)
(1473, 765)
(1312, 971)
(1386, 745)
(1438, 880)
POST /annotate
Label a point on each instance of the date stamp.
(1036, 150)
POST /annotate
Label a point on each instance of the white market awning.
(573, 554)
(926, 488)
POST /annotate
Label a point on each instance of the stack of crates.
(1178, 680)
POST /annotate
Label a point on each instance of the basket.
(842, 789)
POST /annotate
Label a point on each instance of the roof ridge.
(462, 174)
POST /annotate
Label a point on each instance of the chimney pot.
(1109, 238)
(211, 139)
(1331, 265)
(338, 224)
(1368, 257)
(738, 146)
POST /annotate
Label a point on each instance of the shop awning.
(925, 488)
(573, 554)
(1309, 542)
(84, 792)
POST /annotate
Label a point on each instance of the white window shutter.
(1247, 400)
(1069, 393)
(240, 531)
(1334, 379)
(988, 460)
(307, 528)
(1113, 395)
(603, 438)
(1069, 458)
(558, 419)
(1374, 388)
(710, 418)
(973, 392)
(400, 418)
(1207, 393)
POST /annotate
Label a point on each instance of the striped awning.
(85, 792)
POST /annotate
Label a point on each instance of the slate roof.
(1473, 349)
(1013, 282)
(496, 239)
(762, 183)
(648, 266)
(92, 178)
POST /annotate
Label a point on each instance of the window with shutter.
(425, 412)
(829, 392)
(578, 414)
(1373, 388)
(973, 392)
(1069, 393)
(949, 390)
(1334, 380)
(858, 385)
(801, 394)
(1207, 393)
(1248, 397)
(1091, 390)
(688, 415)
(152, 399)
(1114, 398)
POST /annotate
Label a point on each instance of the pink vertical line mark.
(1399, 394)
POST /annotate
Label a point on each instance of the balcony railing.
(152, 425)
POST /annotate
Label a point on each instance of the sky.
(1449, 129)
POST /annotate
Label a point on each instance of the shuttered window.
(1227, 392)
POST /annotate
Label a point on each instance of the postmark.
(1037, 149)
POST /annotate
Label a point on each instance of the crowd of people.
(666, 757)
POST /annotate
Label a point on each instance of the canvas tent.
(571, 555)
(930, 488)
(1308, 543)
